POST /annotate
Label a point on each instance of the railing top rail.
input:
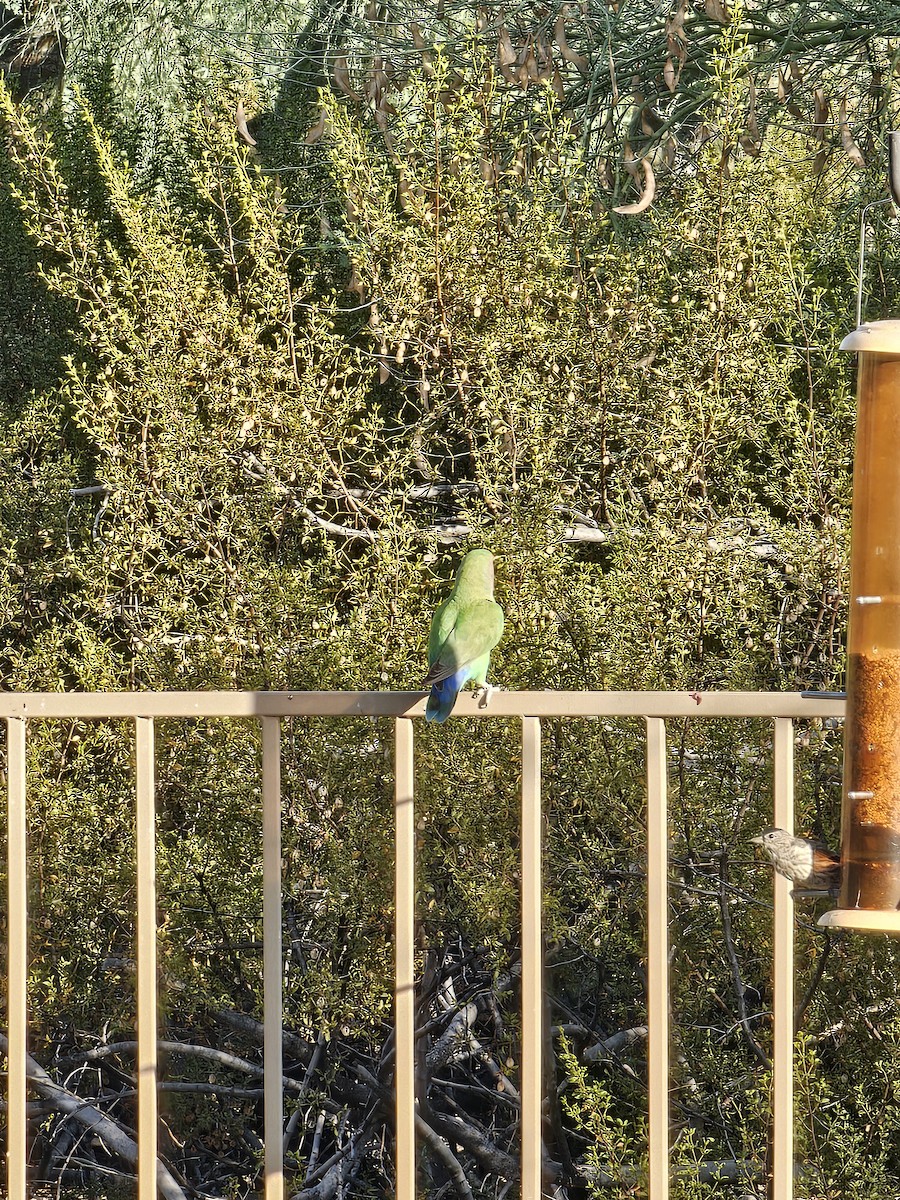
(113, 705)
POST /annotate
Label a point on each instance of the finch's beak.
(756, 841)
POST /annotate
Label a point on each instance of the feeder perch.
(870, 814)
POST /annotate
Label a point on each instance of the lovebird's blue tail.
(443, 696)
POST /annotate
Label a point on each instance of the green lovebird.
(464, 631)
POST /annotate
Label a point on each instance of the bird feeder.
(870, 815)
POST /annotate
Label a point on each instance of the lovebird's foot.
(484, 693)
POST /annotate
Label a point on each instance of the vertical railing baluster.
(657, 959)
(404, 961)
(273, 1101)
(783, 981)
(17, 963)
(532, 960)
(146, 958)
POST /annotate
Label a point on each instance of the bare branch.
(615, 1043)
(231, 1061)
(740, 988)
(113, 1136)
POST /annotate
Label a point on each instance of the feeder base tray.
(873, 920)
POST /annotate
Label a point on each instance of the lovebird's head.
(477, 571)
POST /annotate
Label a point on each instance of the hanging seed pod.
(420, 44)
(559, 34)
(651, 120)
(518, 168)
(646, 197)
(240, 120)
(717, 10)
(676, 40)
(317, 131)
(378, 81)
(823, 114)
(355, 284)
(506, 56)
(381, 120)
(544, 58)
(851, 149)
(403, 194)
(531, 66)
(341, 74)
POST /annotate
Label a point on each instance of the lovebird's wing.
(442, 625)
(462, 637)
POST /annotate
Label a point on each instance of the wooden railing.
(405, 707)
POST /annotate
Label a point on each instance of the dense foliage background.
(295, 312)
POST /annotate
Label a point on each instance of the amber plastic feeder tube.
(870, 812)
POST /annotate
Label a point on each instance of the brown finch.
(808, 864)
